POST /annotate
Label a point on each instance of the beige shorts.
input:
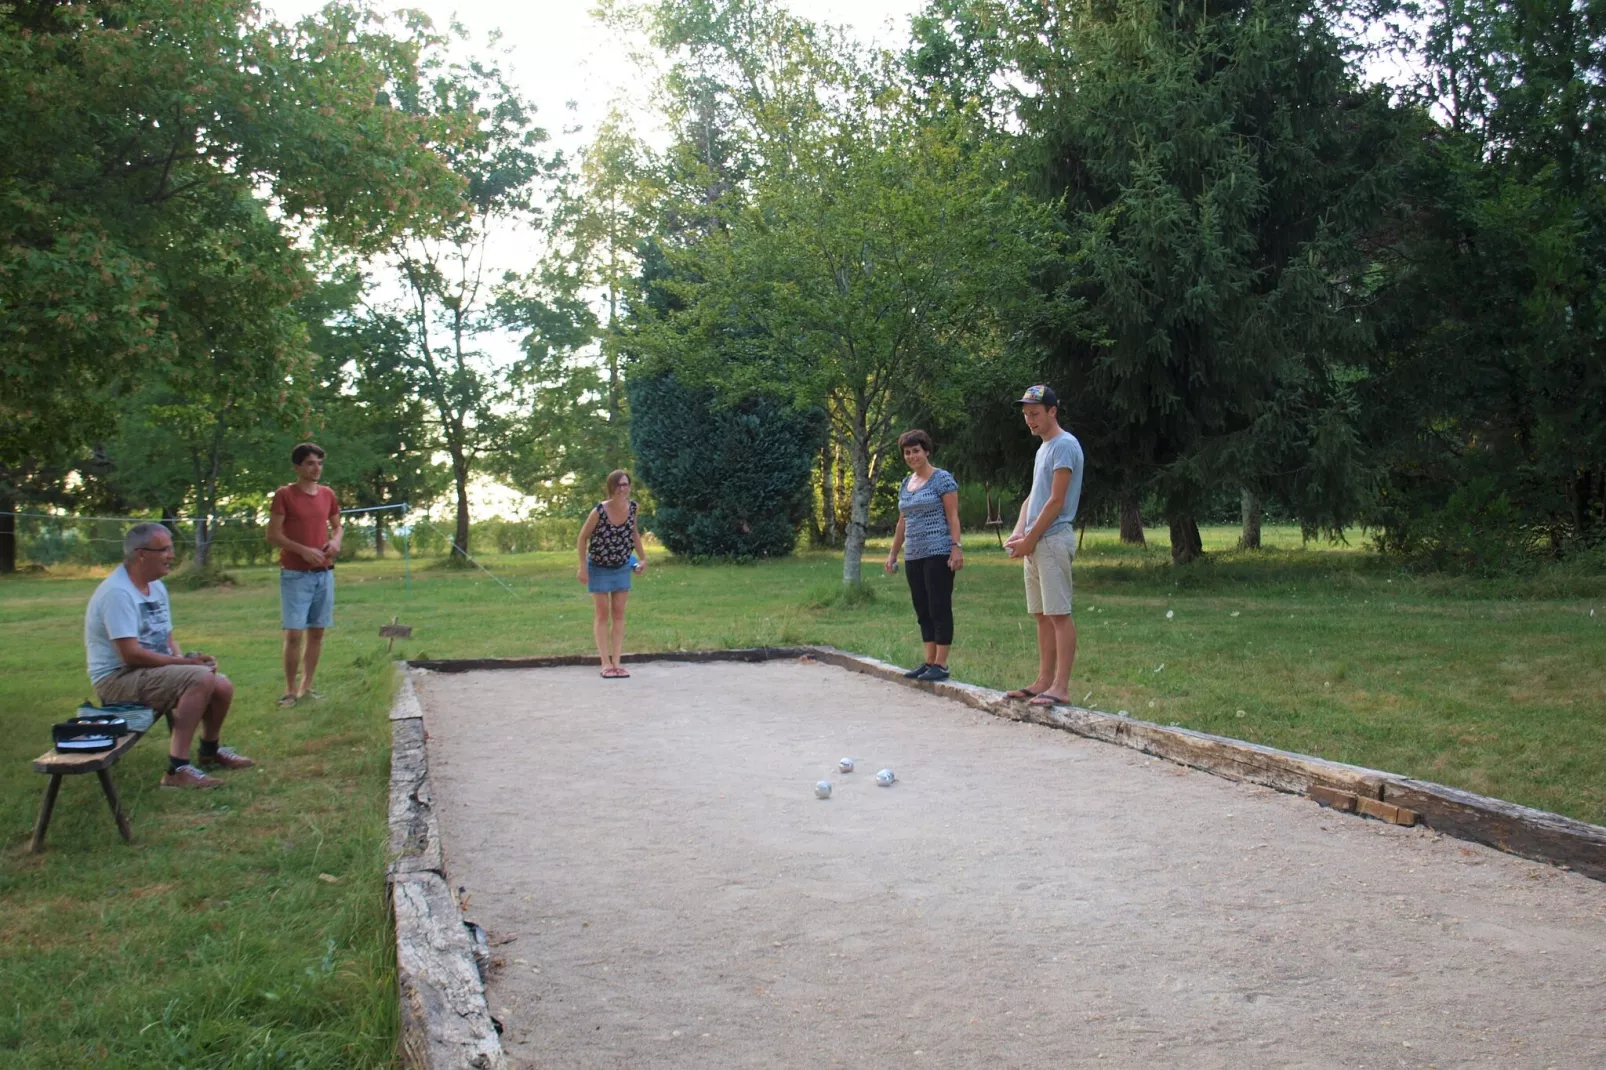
(1048, 574)
(159, 688)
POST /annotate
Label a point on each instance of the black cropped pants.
(931, 586)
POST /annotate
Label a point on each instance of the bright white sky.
(561, 54)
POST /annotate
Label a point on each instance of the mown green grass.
(216, 940)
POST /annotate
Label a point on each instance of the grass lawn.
(246, 927)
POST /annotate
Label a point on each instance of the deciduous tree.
(449, 304)
(853, 263)
(128, 127)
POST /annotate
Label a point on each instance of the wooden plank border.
(1535, 834)
(1519, 830)
(1230, 758)
(445, 1023)
(558, 661)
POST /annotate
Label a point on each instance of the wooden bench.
(56, 765)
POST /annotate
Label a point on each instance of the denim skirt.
(604, 580)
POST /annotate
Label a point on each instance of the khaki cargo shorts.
(1048, 574)
(159, 688)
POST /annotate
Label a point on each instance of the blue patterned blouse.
(925, 526)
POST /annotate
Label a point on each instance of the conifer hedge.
(731, 480)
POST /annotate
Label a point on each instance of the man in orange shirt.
(304, 523)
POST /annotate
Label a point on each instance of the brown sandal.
(1021, 692)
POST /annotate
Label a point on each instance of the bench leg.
(117, 807)
(44, 814)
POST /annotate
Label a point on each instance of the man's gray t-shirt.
(1061, 451)
(118, 611)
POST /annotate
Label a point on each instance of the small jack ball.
(846, 765)
(885, 778)
(822, 790)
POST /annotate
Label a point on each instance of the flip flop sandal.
(1048, 700)
(620, 673)
(286, 701)
(1021, 692)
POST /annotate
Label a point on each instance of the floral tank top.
(611, 544)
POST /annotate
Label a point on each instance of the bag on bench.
(87, 734)
(139, 718)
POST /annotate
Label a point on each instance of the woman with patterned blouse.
(928, 535)
(607, 540)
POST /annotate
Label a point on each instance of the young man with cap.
(304, 523)
(1045, 539)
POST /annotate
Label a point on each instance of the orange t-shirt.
(307, 520)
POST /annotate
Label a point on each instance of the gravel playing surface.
(663, 889)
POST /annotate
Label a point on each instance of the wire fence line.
(216, 518)
(44, 540)
(472, 559)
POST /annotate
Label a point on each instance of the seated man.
(133, 657)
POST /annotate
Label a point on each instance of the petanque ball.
(885, 778)
(822, 790)
(846, 765)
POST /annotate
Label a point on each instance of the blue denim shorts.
(307, 598)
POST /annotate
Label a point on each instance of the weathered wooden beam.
(446, 1024)
(415, 839)
(1231, 758)
(406, 703)
(556, 661)
(1518, 830)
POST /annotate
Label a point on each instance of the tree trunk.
(611, 350)
(170, 519)
(8, 534)
(204, 534)
(460, 477)
(1250, 540)
(206, 493)
(379, 534)
(859, 515)
(1131, 518)
(844, 502)
(1186, 545)
(828, 492)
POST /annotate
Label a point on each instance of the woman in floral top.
(928, 535)
(607, 540)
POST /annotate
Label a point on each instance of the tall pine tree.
(1221, 171)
